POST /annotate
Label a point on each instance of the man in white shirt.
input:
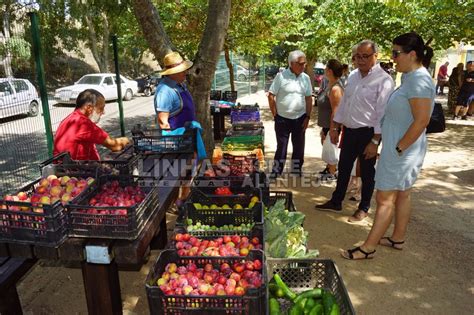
(360, 112)
(290, 102)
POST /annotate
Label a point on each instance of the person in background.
(328, 102)
(174, 104)
(360, 112)
(442, 78)
(407, 114)
(454, 83)
(465, 99)
(78, 133)
(290, 102)
(345, 74)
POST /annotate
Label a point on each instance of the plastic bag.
(330, 153)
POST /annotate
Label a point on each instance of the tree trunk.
(212, 41)
(105, 44)
(310, 70)
(93, 44)
(230, 66)
(4, 38)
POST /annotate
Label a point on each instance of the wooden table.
(101, 280)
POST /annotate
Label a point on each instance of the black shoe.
(329, 177)
(464, 117)
(325, 171)
(329, 206)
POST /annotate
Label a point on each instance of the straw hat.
(174, 63)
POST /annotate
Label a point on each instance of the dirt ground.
(432, 275)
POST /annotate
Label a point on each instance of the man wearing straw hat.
(173, 103)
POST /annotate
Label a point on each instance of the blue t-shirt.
(166, 98)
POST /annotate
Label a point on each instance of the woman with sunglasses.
(407, 114)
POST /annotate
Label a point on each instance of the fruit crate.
(241, 195)
(239, 115)
(242, 143)
(256, 231)
(112, 222)
(253, 302)
(232, 132)
(215, 95)
(253, 180)
(63, 163)
(33, 222)
(152, 141)
(287, 195)
(241, 162)
(305, 274)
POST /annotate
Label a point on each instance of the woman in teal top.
(404, 145)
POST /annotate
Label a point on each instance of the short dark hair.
(89, 96)
(469, 62)
(336, 67)
(413, 41)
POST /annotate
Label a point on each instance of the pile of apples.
(111, 194)
(48, 191)
(224, 280)
(227, 245)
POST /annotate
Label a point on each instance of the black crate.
(256, 231)
(126, 164)
(87, 221)
(215, 95)
(229, 96)
(247, 125)
(206, 196)
(304, 274)
(33, 222)
(152, 141)
(287, 195)
(253, 180)
(247, 107)
(252, 303)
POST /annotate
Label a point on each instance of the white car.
(102, 82)
(242, 73)
(18, 96)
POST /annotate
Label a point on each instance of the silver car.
(102, 82)
(18, 96)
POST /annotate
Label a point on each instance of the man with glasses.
(290, 102)
(360, 112)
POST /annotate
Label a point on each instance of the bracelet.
(399, 151)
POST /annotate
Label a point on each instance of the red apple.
(257, 264)
(22, 196)
(239, 291)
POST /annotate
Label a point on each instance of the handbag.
(437, 121)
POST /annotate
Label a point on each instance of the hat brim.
(182, 67)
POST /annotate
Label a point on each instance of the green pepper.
(328, 301)
(313, 293)
(335, 310)
(288, 293)
(317, 309)
(295, 310)
(301, 303)
(274, 307)
(308, 306)
(275, 290)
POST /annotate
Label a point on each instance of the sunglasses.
(396, 53)
(363, 57)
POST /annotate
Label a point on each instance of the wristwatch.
(400, 152)
(375, 141)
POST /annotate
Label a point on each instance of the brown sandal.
(350, 253)
(392, 243)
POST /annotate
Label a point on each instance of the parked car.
(242, 74)
(102, 82)
(147, 85)
(18, 96)
(271, 71)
